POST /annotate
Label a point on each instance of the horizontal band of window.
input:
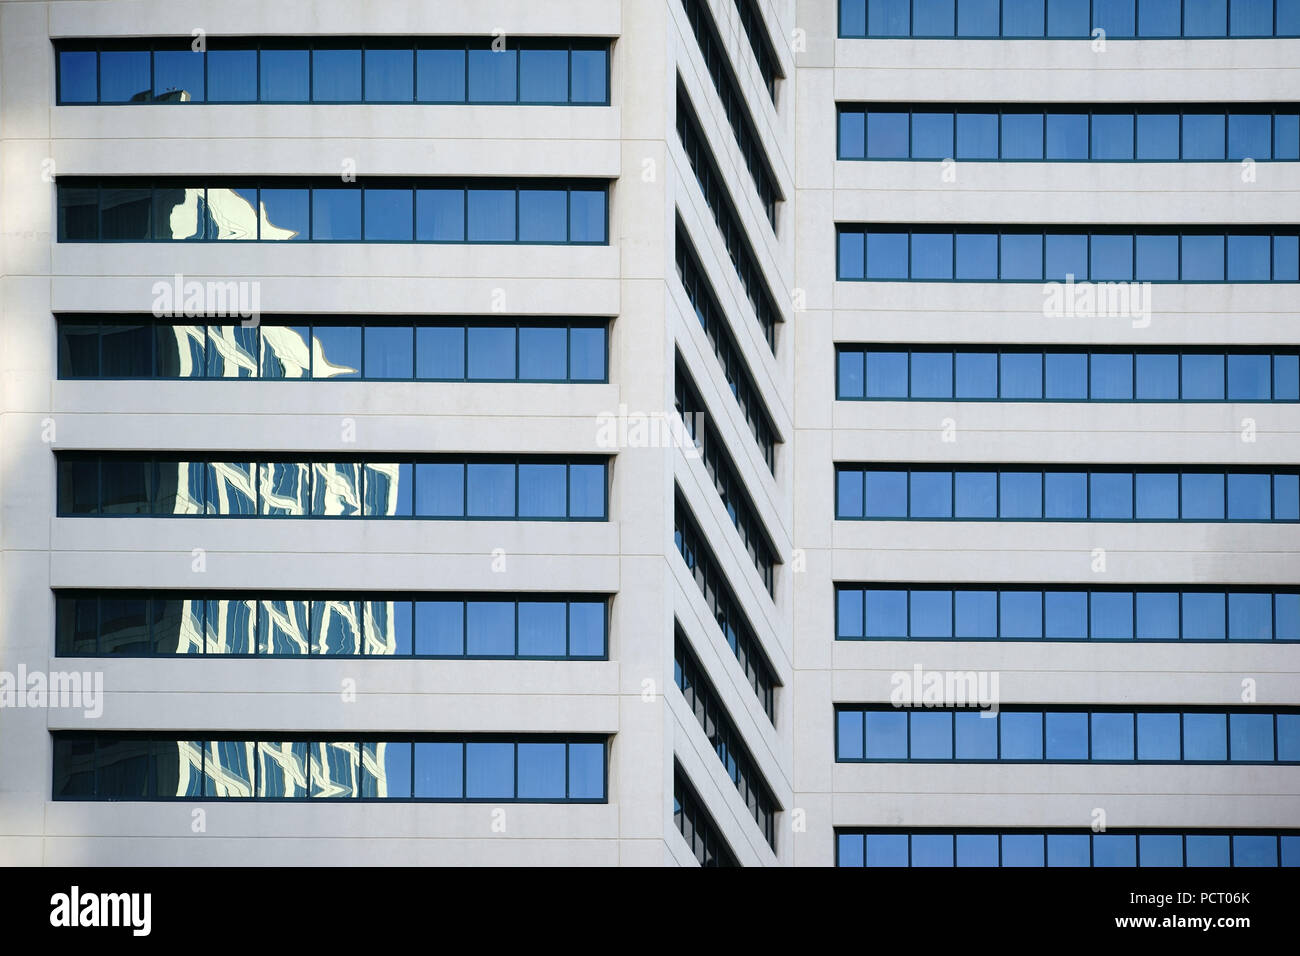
(696, 826)
(273, 765)
(1007, 612)
(437, 487)
(433, 70)
(718, 329)
(726, 740)
(433, 210)
(1158, 133)
(127, 623)
(760, 41)
(1037, 847)
(1067, 254)
(992, 373)
(1067, 493)
(1069, 19)
(303, 348)
(725, 608)
(916, 732)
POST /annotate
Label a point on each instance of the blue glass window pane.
(1157, 616)
(931, 494)
(1249, 258)
(976, 614)
(931, 614)
(1205, 18)
(977, 18)
(886, 494)
(389, 214)
(1157, 258)
(440, 215)
(1111, 376)
(1112, 133)
(386, 770)
(1159, 18)
(440, 628)
(1288, 737)
(78, 81)
(1248, 378)
(1112, 736)
(851, 371)
(1286, 129)
(887, 255)
(541, 771)
(1114, 849)
(1286, 378)
(1250, 134)
(848, 735)
(1022, 256)
(1207, 850)
(886, 374)
(124, 76)
(977, 849)
(440, 490)
(1203, 134)
(977, 735)
(232, 76)
(1067, 256)
(1020, 494)
(888, 18)
(336, 76)
(1022, 849)
(1110, 496)
(1022, 375)
(542, 490)
(1158, 737)
(542, 215)
(1250, 616)
(1116, 17)
(491, 214)
(587, 488)
(931, 255)
(438, 771)
(1202, 259)
(853, 132)
(1067, 18)
(1251, 736)
(852, 846)
(1286, 617)
(977, 374)
(1112, 258)
(492, 353)
(587, 215)
(587, 354)
(1249, 497)
(1067, 736)
(1068, 849)
(1067, 615)
(489, 771)
(1111, 615)
(1067, 133)
(932, 849)
(390, 76)
(931, 375)
(1021, 735)
(848, 613)
(886, 612)
(1202, 497)
(1157, 136)
(1022, 614)
(1290, 850)
(977, 256)
(1157, 496)
(931, 736)
(976, 494)
(490, 628)
(589, 70)
(178, 76)
(284, 76)
(886, 135)
(853, 23)
(851, 253)
(440, 353)
(977, 133)
(440, 76)
(1205, 737)
(1157, 377)
(336, 351)
(887, 849)
(492, 76)
(886, 735)
(284, 214)
(932, 132)
(587, 771)
(1067, 375)
(1022, 18)
(1203, 616)
(848, 494)
(587, 629)
(543, 76)
(542, 353)
(336, 213)
(1251, 18)
(1254, 850)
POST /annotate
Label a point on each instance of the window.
(696, 826)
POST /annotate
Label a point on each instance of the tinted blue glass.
(1248, 378)
(1205, 737)
(1022, 256)
(587, 215)
(1202, 497)
(976, 494)
(123, 76)
(440, 490)
(1286, 131)
(853, 132)
(1252, 850)
(438, 771)
(1157, 136)
(1203, 616)
(1157, 377)
(1288, 737)
(178, 74)
(1207, 850)
(542, 490)
(1202, 258)
(932, 849)
(586, 771)
(1250, 736)
(1111, 615)
(491, 215)
(1111, 376)
(1286, 266)
(852, 846)
(886, 494)
(931, 736)
(336, 76)
(931, 494)
(541, 771)
(886, 612)
(886, 374)
(1158, 737)
(1111, 258)
(853, 23)
(1021, 735)
(1203, 134)
(1022, 375)
(78, 71)
(336, 213)
(1251, 18)
(388, 214)
(587, 80)
(1112, 134)
(888, 18)
(1021, 614)
(852, 256)
(1249, 497)
(1022, 849)
(490, 628)
(931, 614)
(1067, 615)
(284, 214)
(977, 374)
(1022, 18)
(543, 76)
(886, 135)
(1112, 736)
(932, 132)
(1067, 18)
(1114, 849)
(587, 628)
(1157, 496)
(1205, 18)
(492, 76)
(232, 76)
(1290, 851)
(848, 735)
(931, 375)
(1068, 849)
(390, 76)
(1250, 616)
(542, 215)
(887, 255)
(440, 215)
(1116, 17)
(1067, 375)
(886, 735)
(931, 255)
(284, 76)
(542, 353)
(977, 849)
(1111, 496)
(977, 735)
(887, 849)
(587, 354)
(1067, 736)
(440, 352)
(1250, 135)
(1020, 494)
(848, 613)
(975, 614)
(1066, 256)
(1157, 258)
(440, 76)
(1157, 616)
(587, 491)
(440, 628)
(489, 771)
(336, 351)
(977, 18)
(977, 133)
(850, 374)
(1286, 497)
(848, 494)
(933, 18)
(1249, 258)
(1159, 18)
(1067, 133)
(977, 256)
